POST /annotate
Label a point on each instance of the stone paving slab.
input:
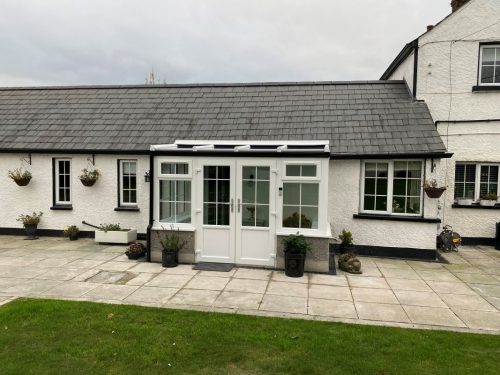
(462, 295)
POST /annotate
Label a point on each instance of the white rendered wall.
(343, 203)
(405, 71)
(94, 204)
(473, 142)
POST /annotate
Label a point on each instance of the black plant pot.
(345, 249)
(31, 231)
(73, 236)
(294, 264)
(23, 181)
(88, 182)
(434, 192)
(135, 256)
(169, 258)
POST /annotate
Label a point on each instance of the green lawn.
(61, 337)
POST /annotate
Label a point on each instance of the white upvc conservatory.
(235, 198)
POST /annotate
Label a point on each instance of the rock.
(349, 263)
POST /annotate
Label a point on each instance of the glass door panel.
(255, 196)
(216, 195)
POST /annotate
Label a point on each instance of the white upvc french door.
(256, 212)
(237, 211)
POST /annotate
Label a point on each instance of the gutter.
(437, 155)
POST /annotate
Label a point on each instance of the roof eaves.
(405, 52)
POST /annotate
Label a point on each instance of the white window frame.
(477, 181)
(322, 166)
(173, 177)
(122, 203)
(56, 182)
(390, 187)
(497, 58)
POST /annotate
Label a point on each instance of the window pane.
(487, 73)
(262, 216)
(369, 203)
(310, 194)
(291, 216)
(309, 217)
(209, 214)
(223, 191)
(133, 198)
(400, 170)
(166, 168)
(370, 169)
(414, 187)
(167, 212)
(133, 180)
(248, 191)
(414, 170)
(263, 192)
(291, 194)
(381, 186)
(263, 173)
(249, 173)
(293, 170)
(399, 187)
(210, 172)
(223, 214)
(126, 167)
(183, 191)
(183, 214)
(248, 215)
(309, 171)
(126, 182)
(167, 190)
(382, 170)
(369, 186)
(223, 172)
(398, 205)
(132, 167)
(413, 205)
(381, 203)
(488, 56)
(209, 190)
(182, 168)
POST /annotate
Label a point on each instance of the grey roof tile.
(378, 117)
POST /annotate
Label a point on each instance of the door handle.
(232, 205)
(239, 205)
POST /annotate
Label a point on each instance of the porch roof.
(356, 118)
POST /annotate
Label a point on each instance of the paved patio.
(463, 295)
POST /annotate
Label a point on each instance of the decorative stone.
(349, 263)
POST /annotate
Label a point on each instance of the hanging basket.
(23, 181)
(88, 182)
(433, 192)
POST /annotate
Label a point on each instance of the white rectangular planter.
(115, 236)
(487, 203)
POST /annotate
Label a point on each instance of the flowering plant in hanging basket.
(89, 177)
(432, 190)
(20, 177)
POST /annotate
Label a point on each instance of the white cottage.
(233, 167)
(455, 68)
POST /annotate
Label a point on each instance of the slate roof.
(358, 118)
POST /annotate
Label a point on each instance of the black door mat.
(209, 266)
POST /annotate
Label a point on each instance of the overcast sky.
(61, 42)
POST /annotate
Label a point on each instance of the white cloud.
(119, 41)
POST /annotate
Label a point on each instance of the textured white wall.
(343, 203)
(473, 142)
(93, 204)
(405, 71)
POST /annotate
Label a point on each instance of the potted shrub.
(432, 190)
(72, 232)
(30, 223)
(488, 200)
(135, 250)
(20, 177)
(114, 233)
(89, 177)
(295, 249)
(171, 243)
(346, 246)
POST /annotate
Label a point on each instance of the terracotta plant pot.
(23, 181)
(434, 192)
(88, 182)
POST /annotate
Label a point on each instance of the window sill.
(485, 88)
(176, 227)
(415, 219)
(65, 207)
(130, 209)
(476, 205)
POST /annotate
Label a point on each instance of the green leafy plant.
(71, 230)
(171, 241)
(296, 244)
(346, 238)
(489, 197)
(89, 175)
(19, 174)
(112, 228)
(136, 248)
(32, 219)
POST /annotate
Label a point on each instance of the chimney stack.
(457, 4)
(430, 27)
